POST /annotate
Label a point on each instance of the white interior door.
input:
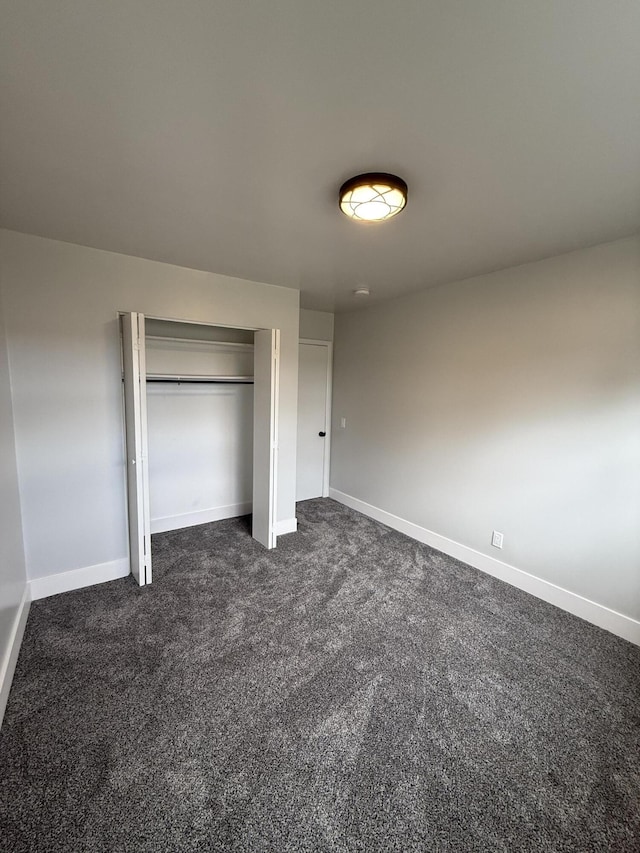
(313, 441)
(135, 413)
(265, 434)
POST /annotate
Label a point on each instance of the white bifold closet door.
(265, 440)
(266, 356)
(135, 415)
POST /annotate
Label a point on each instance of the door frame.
(270, 541)
(326, 471)
(275, 413)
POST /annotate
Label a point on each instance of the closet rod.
(203, 380)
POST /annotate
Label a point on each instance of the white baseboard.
(289, 525)
(90, 575)
(10, 656)
(617, 623)
(202, 516)
(78, 578)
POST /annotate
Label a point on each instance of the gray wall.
(60, 303)
(512, 402)
(317, 325)
(12, 568)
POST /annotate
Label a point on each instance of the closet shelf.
(238, 346)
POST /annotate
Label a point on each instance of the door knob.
(322, 434)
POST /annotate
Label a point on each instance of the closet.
(200, 404)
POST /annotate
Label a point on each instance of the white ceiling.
(215, 133)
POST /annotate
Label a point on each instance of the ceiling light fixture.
(361, 291)
(373, 197)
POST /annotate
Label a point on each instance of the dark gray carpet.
(351, 691)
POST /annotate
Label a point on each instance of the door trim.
(326, 471)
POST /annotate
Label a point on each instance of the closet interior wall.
(200, 423)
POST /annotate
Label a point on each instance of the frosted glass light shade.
(373, 197)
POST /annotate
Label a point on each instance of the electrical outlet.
(497, 539)
(343, 423)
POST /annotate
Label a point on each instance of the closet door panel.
(265, 434)
(135, 413)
